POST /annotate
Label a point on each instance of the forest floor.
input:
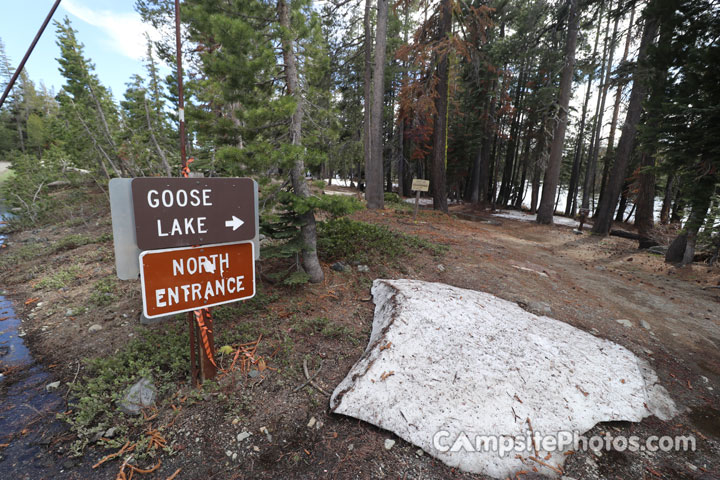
(61, 277)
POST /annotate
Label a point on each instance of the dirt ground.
(672, 319)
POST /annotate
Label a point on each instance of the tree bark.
(374, 169)
(439, 152)
(608, 203)
(552, 174)
(367, 92)
(590, 171)
(308, 230)
(667, 199)
(616, 112)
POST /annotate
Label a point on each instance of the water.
(27, 409)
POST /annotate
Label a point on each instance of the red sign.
(184, 279)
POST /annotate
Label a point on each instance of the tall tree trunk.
(367, 91)
(571, 204)
(552, 174)
(439, 152)
(308, 230)
(606, 208)
(667, 199)
(374, 168)
(608, 54)
(616, 113)
(700, 204)
(645, 201)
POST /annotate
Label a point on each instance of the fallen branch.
(310, 380)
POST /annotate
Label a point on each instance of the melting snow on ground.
(446, 364)
(526, 217)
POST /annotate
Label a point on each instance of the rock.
(234, 456)
(243, 436)
(577, 232)
(267, 434)
(254, 373)
(68, 464)
(419, 452)
(645, 325)
(338, 266)
(256, 448)
(625, 323)
(110, 432)
(351, 447)
(235, 421)
(389, 443)
(312, 422)
(95, 328)
(228, 453)
(363, 268)
(600, 268)
(440, 267)
(52, 386)
(561, 377)
(69, 312)
(141, 395)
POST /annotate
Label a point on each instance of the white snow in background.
(526, 217)
(442, 358)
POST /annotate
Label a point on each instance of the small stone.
(95, 328)
(312, 422)
(625, 323)
(141, 395)
(351, 447)
(419, 452)
(69, 312)
(267, 434)
(235, 421)
(234, 456)
(197, 439)
(243, 436)
(363, 268)
(110, 432)
(647, 351)
(600, 268)
(256, 448)
(253, 373)
(338, 266)
(645, 325)
(389, 443)
(68, 464)
(228, 453)
(39, 304)
(440, 267)
(52, 386)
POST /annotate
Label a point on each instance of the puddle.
(27, 409)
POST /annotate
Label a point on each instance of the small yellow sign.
(420, 185)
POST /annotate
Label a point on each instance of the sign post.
(195, 242)
(419, 186)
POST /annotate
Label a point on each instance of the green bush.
(347, 239)
(392, 198)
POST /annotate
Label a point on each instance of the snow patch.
(446, 359)
(527, 217)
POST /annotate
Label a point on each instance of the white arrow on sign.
(235, 223)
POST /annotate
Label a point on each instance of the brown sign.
(178, 212)
(184, 279)
(420, 185)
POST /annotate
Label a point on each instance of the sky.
(111, 30)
